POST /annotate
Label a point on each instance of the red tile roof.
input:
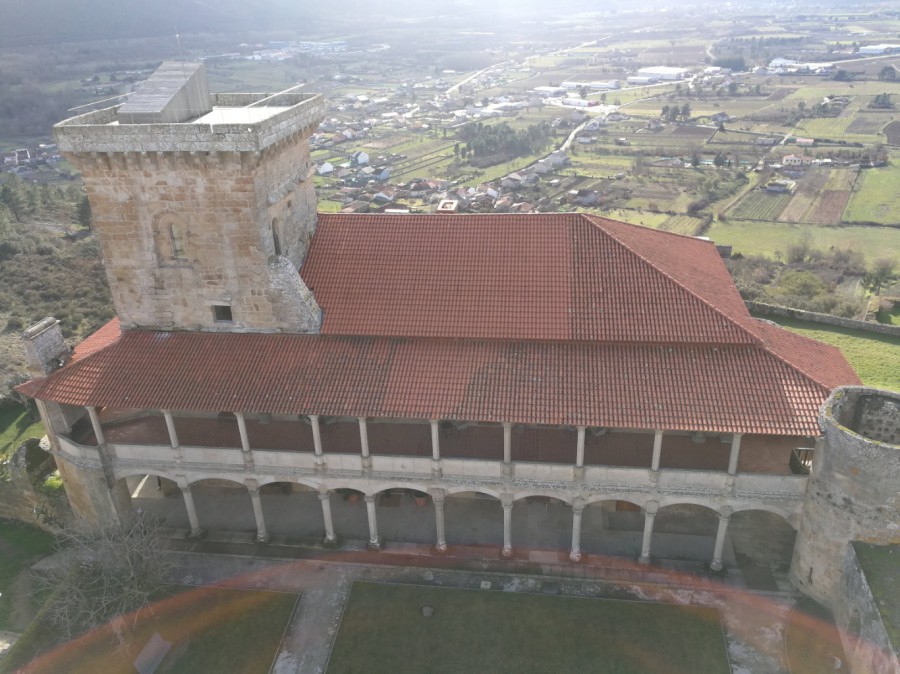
(732, 388)
(540, 319)
(554, 277)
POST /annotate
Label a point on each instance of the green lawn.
(211, 629)
(769, 238)
(878, 196)
(383, 630)
(876, 358)
(20, 546)
(16, 426)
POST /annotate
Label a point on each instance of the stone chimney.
(45, 347)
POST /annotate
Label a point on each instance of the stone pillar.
(242, 427)
(724, 516)
(507, 501)
(364, 444)
(262, 536)
(577, 510)
(170, 426)
(330, 538)
(507, 449)
(437, 497)
(317, 441)
(95, 422)
(657, 450)
(196, 531)
(579, 448)
(649, 515)
(374, 540)
(436, 467)
(735, 452)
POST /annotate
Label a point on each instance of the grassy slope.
(383, 630)
(876, 358)
(16, 426)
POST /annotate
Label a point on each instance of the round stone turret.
(854, 486)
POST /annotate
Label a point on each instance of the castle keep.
(480, 361)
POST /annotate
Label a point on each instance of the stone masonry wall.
(878, 418)
(220, 204)
(814, 317)
(852, 494)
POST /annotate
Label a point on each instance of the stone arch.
(155, 493)
(612, 526)
(451, 491)
(405, 514)
(763, 540)
(474, 518)
(541, 494)
(223, 502)
(541, 521)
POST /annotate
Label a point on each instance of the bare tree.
(105, 575)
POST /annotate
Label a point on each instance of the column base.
(319, 466)
(575, 556)
(578, 473)
(506, 552)
(374, 544)
(436, 469)
(440, 548)
(507, 470)
(716, 565)
(263, 538)
(644, 559)
(197, 533)
(330, 543)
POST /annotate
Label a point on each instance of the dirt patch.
(869, 123)
(781, 93)
(892, 131)
(830, 207)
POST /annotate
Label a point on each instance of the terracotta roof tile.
(555, 276)
(733, 388)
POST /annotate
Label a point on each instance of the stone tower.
(203, 204)
(854, 487)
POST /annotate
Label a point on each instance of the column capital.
(252, 485)
(578, 505)
(324, 495)
(370, 498)
(506, 500)
(651, 507)
(725, 512)
(437, 495)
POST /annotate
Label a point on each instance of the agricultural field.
(760, 205)
(682, 224)
(835, 128)
(771, 239)
(877, 195)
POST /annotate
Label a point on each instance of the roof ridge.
(592, 219)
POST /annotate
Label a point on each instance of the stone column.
(437, 497)
(364, 444)
(317, 441)
(649, 515)
(657, 450)
(507, 501)
(242, 427)
(735, 452)
(262, 536)
(436, 467)
(579, 448)
(374, 540)
(173, 437)
(577, 510)
(196, 531)
(507, 449)
(724, 516)
(170, 426)
(330, 538)
(95, 422)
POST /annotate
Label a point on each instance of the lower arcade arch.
(473, 519)
(687, 532)
(612, 528)
(763, 544)
(541, 523)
